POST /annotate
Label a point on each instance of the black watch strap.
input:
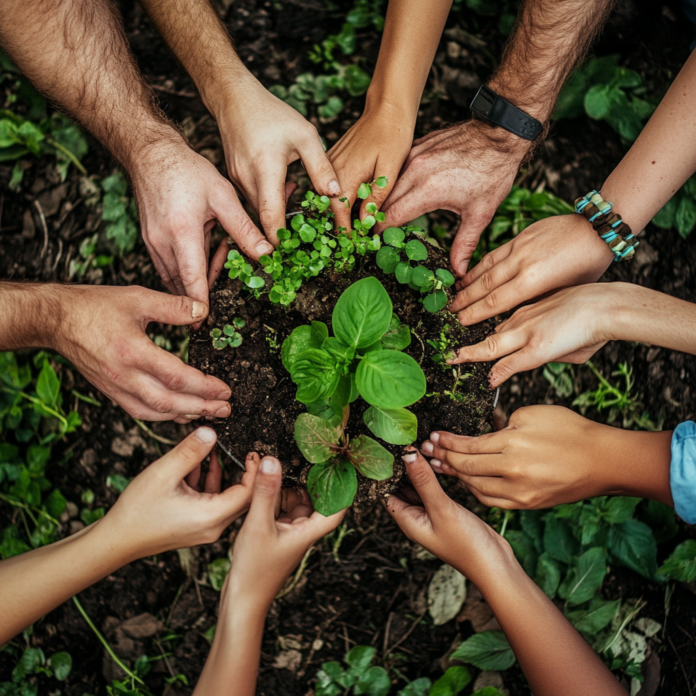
(493, 108)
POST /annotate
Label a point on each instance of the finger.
(495, 346)
(290, 187)
(194, 478)
(218, 262)
(491, 501)
(137, 408)
(188, 454)
(521, 361)
(319, 526)
(487, 262)
(424, 481)
(263, 502)
(214, 477)
(271, 197)
(178, 310)
(411, 205)
(318, 166)
(502, 299)
(238, 225)
(160, 266)
(467, 238)
(486, 284)
(490, 443)
(443, 468)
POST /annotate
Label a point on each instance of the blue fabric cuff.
(682, 471)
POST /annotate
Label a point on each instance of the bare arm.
(470, 168)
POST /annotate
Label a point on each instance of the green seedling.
(442, 346)
(229, 336)
(363, 358)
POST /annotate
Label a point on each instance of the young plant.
(228, 336)
(442, 346)
(363, 358)
(240, 268)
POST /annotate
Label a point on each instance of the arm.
(265, 553)
(568, 327)
(159, 511)
(86, 67)
(470, 168)
(548, 455)
(565, 250)
(102, 331)
(553, 656)
(261, 134)
(378, 144)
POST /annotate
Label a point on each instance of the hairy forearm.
(30, 315)
(662, 158)
(85, 66)
(409, 42)
(38, 581)
(553, 655)
(548, 40)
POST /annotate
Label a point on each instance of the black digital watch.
(497, 110)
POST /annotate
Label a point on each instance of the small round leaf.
(435, 301)
(393, 236)
(403, 272)
(416, 251)
(387, 259)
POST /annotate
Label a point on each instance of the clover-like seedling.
(362, 359)
(240, 268)
(228, 336)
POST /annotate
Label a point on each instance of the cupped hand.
(553, 253)
(428, 516)
(180, 196)
(103, 333)
(376, 145)
(268, 549)
(159, 510)
(261, 136)
(569, 326)
(467, 169)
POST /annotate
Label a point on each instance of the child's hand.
(162, 509)
(428, 516)
(267, 550)
(548, 455)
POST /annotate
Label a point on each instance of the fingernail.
(264, 247)
(224, 394)
(206, 435)
(269, 466)
(435, 437)
(223, 411)
(192, 416)
(198, 310)
(427, 447)
(436, 463)
(334, 188)
(410, 457)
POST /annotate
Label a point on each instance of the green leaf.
(394, 236)
(598, 101)
(398, 335)
(332, 486)
(421, 275)
(390, 379)
(487, 650)
(375, 682)
(342, 353)
(661, 519)
(665, 217)
(416, 250)
(685, 217)
(61, 664)
(117, 482)
(364, 191)
(548, 575)
(435, 301)
(445, 277)
(32, 659)
(55, 503)
(559, 542)
(316, 375)
(452, 682)
(419, 687)
(524, 550)
(488, 691)
(620, 509)
(48, 385)
(255, 282)
(681, 565)
(633, 545)
(320, 333)
(404, 272)
(362, 314)
(360, 658)
(586, 577)
(381, 182)
(593, 620)
(371, 459)
(387, 259)
(217, 572)
(395, 425)
(316, 436)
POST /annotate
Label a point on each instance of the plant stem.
(34, 400)
(68, 154)
(29, 508)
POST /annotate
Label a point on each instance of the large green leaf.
(620, 509)
(681, 565)
(315, 436)
(632, 544)
(371, 459)
(332, 486)
(486, 650)
(301, 339)
(316, 375)
(362, 314)
(390, 379)
(395, 425)
(398, 335)
(548, 575)
(586, 577)
(594, 619)
(559, 542)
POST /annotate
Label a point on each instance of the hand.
(159, 511)
(102, 332)
(267, 550)
(548, 455)
(445, 528)
(180, 196)
(467, 169)
(375, 146)
(569, 326)
(553, 253)
(262, 135)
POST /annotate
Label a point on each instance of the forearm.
(409, 42)
(662, 158)
(553, 655)
(85, 66)
(38, 581)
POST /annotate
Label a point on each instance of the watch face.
(483, 102)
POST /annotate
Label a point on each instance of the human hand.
(103, 333)
(161, 509)
(180, 196)
(569, 326)
(549, 455)
(552, 253)
(268, 549)
(375, 146)
(262, 135)
(428, 516)
(467, 169)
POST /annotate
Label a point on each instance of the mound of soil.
(264, 409)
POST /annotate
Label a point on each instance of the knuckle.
(487, 262)
(491, 301)
(491, 344)
(161, 403)
(419, 477)
(487, 281)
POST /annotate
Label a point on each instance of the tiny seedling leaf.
(61, 664)
(387, 259)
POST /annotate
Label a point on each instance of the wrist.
(397, 107)
(227, 93)
(151, 151)
(509, 87)
(497, 138)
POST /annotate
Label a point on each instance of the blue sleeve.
(682, 471)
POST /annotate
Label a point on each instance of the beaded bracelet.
(609, 226)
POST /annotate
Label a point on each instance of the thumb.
(178, 310)
(424, 481)
(266, 486)
(465, 242)
(188, 454)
